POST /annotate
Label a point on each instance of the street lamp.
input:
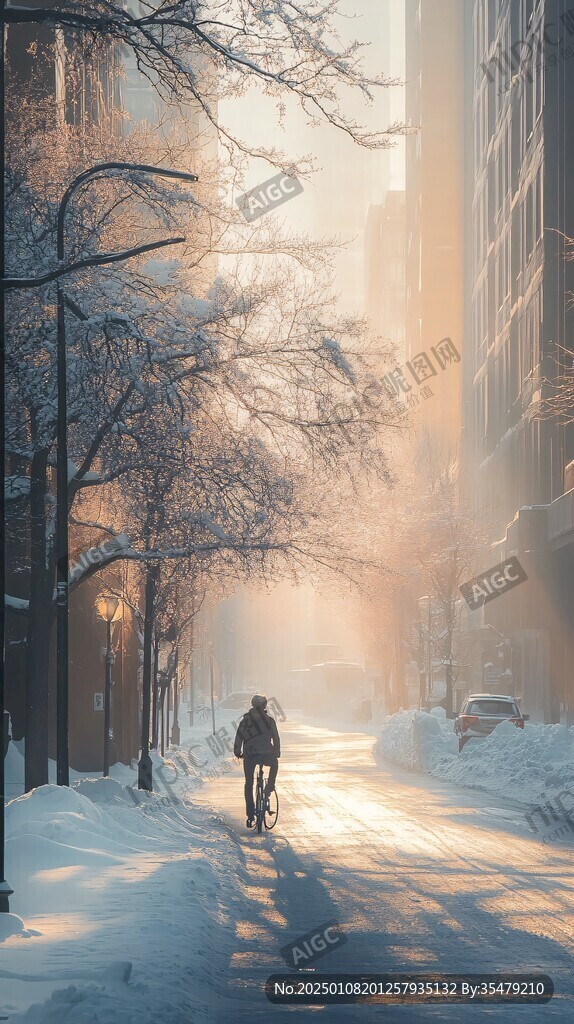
(427, 598)
(5, 889)
(62, 552)
(110, 609)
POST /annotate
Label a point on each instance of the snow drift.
(522, 764)
(122, 904)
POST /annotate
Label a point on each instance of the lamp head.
(109, 608)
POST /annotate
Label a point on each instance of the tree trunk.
(385, 689)
(448, 673)
(175, 730)
(400, 687)
(448, 694)
(40, 619)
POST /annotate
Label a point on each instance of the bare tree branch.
(98, 260)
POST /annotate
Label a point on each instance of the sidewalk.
(122, 912)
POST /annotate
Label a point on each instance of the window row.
(517, 240)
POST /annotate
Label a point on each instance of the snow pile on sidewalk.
(416, 740)
(123, 912)
(522, 764)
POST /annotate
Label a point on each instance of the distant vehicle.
(237, 701)
(482, 712)
(334, 685)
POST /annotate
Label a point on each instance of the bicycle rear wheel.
(259, 802)
(271, 815)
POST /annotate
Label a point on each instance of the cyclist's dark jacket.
(257, 734)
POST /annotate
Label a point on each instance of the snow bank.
(417, 740)
(11, 924)
(119, 903)
(522, 764)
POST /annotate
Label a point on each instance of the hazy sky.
(349, 178)
(335, 202)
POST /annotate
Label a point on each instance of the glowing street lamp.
(110, 610)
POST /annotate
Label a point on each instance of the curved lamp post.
(62, 550)
(110, 610)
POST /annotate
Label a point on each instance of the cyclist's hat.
(259, 700)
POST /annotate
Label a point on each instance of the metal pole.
(168, 714)
(145, 777)
(154, 713)
(162, 721)
(429, 673)
(191, 688)
(212, 700)
(5, 890)
(421, 662)
(126, 718)
(107, 699)
(62, 555)
(175, 730)
(62, 552)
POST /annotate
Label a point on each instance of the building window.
(538, 86)
(529, 223)
(539, 203)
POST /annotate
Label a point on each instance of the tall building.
(434, 195)
(53, 73)
(385, 269)
(519, 320)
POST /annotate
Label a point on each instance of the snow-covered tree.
(193, 50)
(233, 395)
(448, 544)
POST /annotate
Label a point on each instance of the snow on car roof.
(491, 696)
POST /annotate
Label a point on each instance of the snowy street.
(420, 874)
(287, 310)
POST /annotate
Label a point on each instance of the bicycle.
(266, 808)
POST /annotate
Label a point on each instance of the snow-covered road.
(136, 912)
(421, 875)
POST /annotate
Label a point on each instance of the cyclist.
(257, 742)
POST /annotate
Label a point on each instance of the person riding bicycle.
(257, 742)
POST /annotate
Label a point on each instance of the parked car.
(482, 712)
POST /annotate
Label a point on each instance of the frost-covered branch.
(101, 259)
(188, 53)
